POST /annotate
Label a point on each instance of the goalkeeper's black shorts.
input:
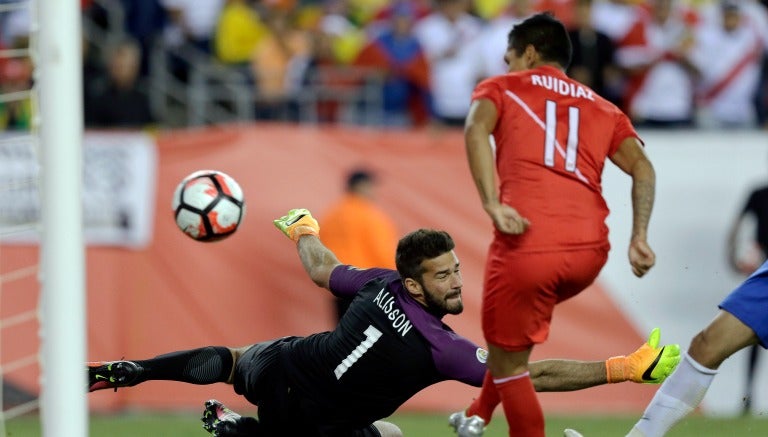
(259, 378)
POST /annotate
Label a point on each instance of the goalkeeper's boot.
(650, 364)
(473, 426)
(112, 374)
(220, 421)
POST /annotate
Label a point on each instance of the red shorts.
(522, 289)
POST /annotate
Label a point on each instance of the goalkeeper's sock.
(677, 396)
(484, 404)
(207, 365)
(521, 406)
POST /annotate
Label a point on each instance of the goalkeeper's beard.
(441, 305)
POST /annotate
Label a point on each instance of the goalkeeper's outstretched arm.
(318, 260)
(651, 363)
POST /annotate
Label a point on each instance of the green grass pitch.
(413, 425)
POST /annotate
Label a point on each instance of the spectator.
(145, 21)
(239, 30)
(322, 61)
(492, 43)
(614, 18)
(121, 101)
(362, 12)
(757, 13)
(489, 9)
(761, 98)
(15, 28)
(346, 35)
(192, 22)
(16, 76)
(397, 55)
(189, 31)
(279, 64)
(357, 230)
(94, 72)
(729, 80)
(593, 56)
(660, 77)
(447, 36)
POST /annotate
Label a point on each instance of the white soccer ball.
(208, 205)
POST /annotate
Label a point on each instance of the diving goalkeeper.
(390, 345)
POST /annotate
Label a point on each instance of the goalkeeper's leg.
(220, 421)
(207, 365)
(387, 429)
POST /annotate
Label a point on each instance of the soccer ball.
(208, 205)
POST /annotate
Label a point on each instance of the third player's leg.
(723, 337)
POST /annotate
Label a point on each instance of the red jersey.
(552, 137)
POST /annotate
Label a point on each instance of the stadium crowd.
(666, 63)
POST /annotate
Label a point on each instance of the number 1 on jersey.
(371, 336)
(550, 137)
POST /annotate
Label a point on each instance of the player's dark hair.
(546, 34)
(418, 246)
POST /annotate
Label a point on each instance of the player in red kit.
(552, 137)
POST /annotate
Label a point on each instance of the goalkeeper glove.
(650, 364)
(296, 223)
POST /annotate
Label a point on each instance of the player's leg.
(724, 336)
(472, 421)
(741, 323)
(468, 425)
(682, 392)
(516, 392)
(516, 313)
(206, 365)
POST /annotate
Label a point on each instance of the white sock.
(677, 396)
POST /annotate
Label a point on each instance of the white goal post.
(58, 75)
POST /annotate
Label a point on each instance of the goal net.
(42, 334)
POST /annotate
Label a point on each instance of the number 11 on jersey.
(550, 137)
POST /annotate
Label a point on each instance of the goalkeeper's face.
(441, 284)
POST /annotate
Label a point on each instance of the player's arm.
(318, 260)
(479, 125)
(632, 160)
(650, 364)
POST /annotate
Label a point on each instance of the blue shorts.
(749, 303)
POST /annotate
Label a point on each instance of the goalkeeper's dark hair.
(418, 246)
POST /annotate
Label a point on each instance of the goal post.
(58, 58)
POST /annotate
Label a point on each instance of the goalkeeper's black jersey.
(386, 348)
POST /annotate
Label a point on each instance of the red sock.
(484, 404)
(521, 406)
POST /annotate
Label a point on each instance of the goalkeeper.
(388, 346)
